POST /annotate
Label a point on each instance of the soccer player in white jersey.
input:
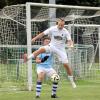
(44, 67)
(59, 35)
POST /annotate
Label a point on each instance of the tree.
(80, 2)
(14, 2)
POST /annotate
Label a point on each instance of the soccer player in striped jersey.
(59, 35)
(44, 67)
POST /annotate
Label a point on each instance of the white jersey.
(58, 36)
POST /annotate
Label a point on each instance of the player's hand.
(70, 44)
(25, 57)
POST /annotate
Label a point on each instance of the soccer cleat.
(73, 85)
(37, 97)
(54, 96)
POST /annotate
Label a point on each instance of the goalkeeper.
(59, 35)
(44, 67)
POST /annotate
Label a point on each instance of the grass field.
(86, 90)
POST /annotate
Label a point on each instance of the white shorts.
(61, 53)
(48, 71)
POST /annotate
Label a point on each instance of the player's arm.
(41, 60)
(38, 37)
(69, 40)
(26, 58)
(46, 32)
(70, 43)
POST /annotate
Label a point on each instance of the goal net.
(20, 23)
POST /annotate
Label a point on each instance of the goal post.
(29, 51)
(99, 46)
(77, 18)
(92, 36)
(20, 23)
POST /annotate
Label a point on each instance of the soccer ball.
(55, 78)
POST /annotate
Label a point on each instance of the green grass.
(86, 90)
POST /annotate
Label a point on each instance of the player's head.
(60, 23)
(46, 40)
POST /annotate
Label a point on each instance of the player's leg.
(40, 77)
(34, 54)
(63, 58)
(50, 72)
(70, 75)
(37, 52)
(68, 70)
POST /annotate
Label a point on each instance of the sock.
(31, 56)
(54, 88)
(72, 81)
(38, 88)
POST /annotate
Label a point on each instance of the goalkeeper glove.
(44, 59)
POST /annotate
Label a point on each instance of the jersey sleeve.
(47, 31)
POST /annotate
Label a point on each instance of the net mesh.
(82, 23)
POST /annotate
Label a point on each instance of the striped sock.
(38, 88)
(54, 88)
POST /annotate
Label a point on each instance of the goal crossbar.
(63, 6)
(84, 25)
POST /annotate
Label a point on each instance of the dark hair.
(44, 38)
(62, 19)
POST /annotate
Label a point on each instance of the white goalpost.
(90, 31)
(29, 51)
(20, 23)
